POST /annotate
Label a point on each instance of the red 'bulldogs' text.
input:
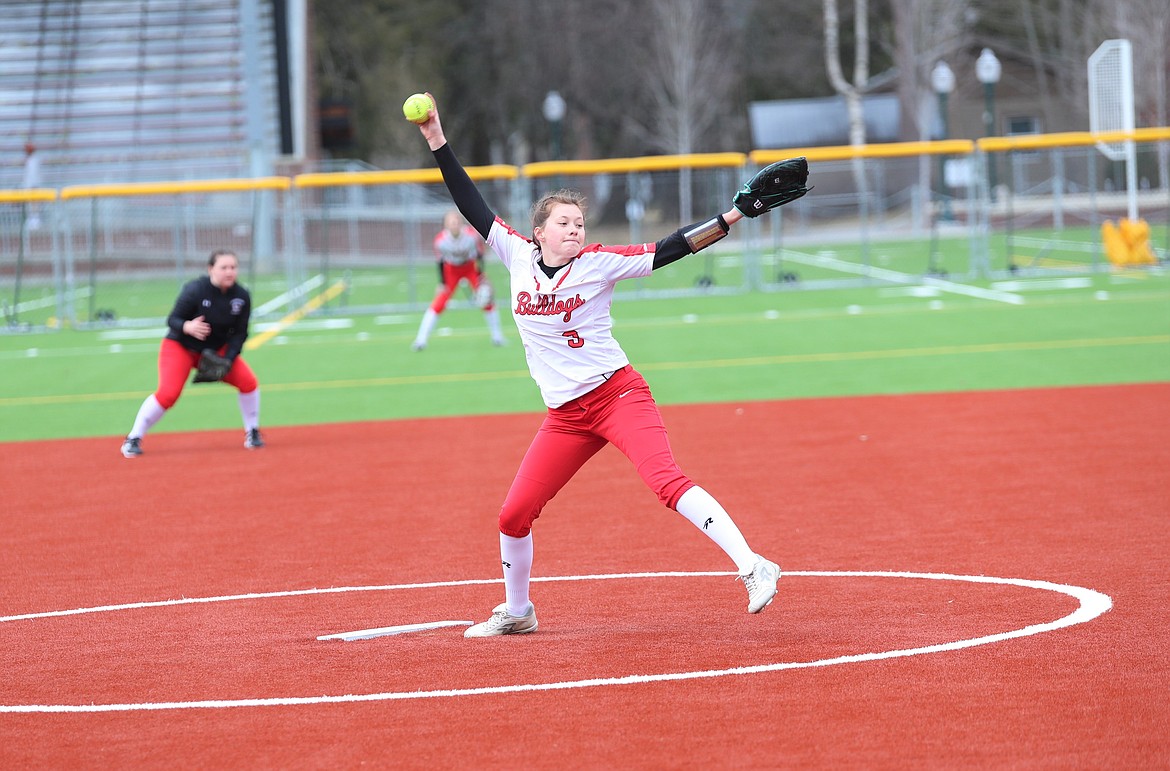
(546, 305)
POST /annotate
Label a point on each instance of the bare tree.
(854, 91)
(688, 72)
(689, 75)
(851, 91)
(925, 33)
(1144, 24)
(1056, 38)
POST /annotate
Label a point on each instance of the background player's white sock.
(705, 513)
(493, 322)
(516, 554)
(250, 409)
(429, 319)
(148, 414)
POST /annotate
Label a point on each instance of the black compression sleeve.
(688, 240)
(670, 249)
(464, 192)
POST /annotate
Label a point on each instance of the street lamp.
(988, 70)
(942, 80)
(554, 113)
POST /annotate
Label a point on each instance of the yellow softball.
(417, 108)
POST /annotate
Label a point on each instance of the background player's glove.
(484, 295)
(774, 185)
(211, 367)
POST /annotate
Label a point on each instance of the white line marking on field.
(307, 326)
(1091, 604)
(251, 596)
(291, 296)
(909, 291)
(1024, 285)
(897, 277)
(45, 302)
(368, 634)
(131, 334)
(974, 291)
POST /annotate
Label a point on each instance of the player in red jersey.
(560, 291)
(459, 251)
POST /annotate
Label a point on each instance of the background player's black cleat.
(131, 447)
(252, 439)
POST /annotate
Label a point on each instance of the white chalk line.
(1091, 604)
(896, 277)
(344, 589)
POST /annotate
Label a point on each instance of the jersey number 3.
(574, 339)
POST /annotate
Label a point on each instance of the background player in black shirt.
(210, 312)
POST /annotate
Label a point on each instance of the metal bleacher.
(135, 90)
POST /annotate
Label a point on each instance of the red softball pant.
(621, 412)
(452, 275)
(176, 362)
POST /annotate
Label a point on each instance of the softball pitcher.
(561, 289)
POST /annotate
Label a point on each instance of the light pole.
(554, 113)
(942, 80)
(988, 70)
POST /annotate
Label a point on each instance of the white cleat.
(132, 447)
(761, 584)
(503, 623)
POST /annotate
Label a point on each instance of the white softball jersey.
(457, 250)
(564, 321)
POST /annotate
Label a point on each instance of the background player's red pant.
(452, 275)
(622, 412)
(176, 362)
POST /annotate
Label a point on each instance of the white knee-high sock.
(426, 326)
(705, 513)
(250, 409)
(516, 556)
(493, 322)
(148, 414)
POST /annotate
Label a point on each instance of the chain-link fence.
(881, 214)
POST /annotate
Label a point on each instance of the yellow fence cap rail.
(1070, 139)
(881, 150)
(399, 176)
(648, 163)
(175, 188)
(30, 195)
(1036, 141)
(1152, 134)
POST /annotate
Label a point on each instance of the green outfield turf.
(338, 366)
